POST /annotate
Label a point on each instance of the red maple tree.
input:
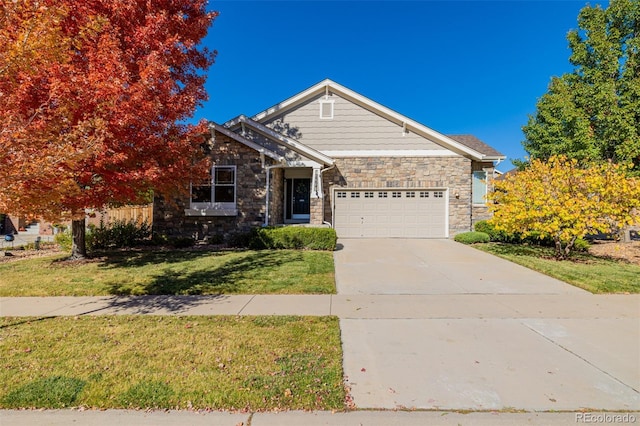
(94, 95)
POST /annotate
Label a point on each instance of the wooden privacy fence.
(138, 214)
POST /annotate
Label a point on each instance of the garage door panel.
(400, 213)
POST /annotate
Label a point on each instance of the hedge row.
(515, 238)
(472, 237)
(288, 237)
(130, 234)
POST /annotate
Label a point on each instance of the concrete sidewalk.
(298, 418)
(359, 306)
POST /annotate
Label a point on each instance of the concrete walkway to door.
(439, 325)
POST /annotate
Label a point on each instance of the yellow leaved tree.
(564, 201)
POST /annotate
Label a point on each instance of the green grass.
(173, 272)
(231, 363)
(594, 274)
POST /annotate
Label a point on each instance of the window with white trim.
(438, 194)
(479, 187)
(218, 192)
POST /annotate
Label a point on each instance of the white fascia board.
(287, 142)
(372, 106)
(493, 158)
(294, 100)
(245, 141)
(391, 153)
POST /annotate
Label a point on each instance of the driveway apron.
(465, 330)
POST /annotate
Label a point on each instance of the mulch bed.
(629, 252)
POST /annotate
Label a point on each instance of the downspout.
(330, 200)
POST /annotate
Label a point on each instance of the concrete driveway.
(434, 324)
(421, 266)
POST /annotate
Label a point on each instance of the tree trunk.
(78, 246)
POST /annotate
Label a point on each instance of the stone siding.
(276, 197)
(451, 173)
(169, 218)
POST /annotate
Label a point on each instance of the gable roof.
(480, 152)
(288, 143)
(218, 128)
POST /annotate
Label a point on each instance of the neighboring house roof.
(477, 145)
(480, 152)
(507, 174)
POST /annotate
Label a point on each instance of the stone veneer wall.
(452, 173)
(276, 207)
(170, 218)
(481, 212)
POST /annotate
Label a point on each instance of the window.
(355, 195)
(326, 109)
(368, 195)
(410, 194)
(479, 187)
(438, 194)
(342, 195)
(219, 192)
(396, 194)
(382, 195)
(424, 194)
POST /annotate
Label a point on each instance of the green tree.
(593, 113)
(564, 201)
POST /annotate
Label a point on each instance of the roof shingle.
(476, 144)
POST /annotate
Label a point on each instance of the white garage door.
(372, 213)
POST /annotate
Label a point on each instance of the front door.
(300, 202)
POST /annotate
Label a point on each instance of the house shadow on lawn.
(203, 276)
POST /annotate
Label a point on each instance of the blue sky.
(459, 67)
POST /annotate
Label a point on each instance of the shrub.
(118, 234)
(496, 236)
(63, 240)
(287, 237)
(181, 242)
(472, 237)
(240, 239)
(581, 245)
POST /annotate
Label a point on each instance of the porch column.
(316, 199)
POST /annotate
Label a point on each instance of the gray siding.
(352, 127)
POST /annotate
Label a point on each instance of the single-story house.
(330, 156)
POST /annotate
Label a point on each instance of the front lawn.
(172, 272)
(595, 274)
(168, 362)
